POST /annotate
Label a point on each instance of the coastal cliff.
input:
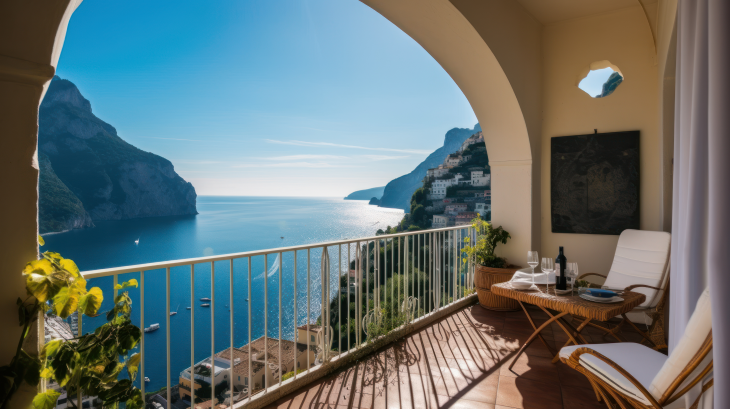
(398, 192)
(108, 177)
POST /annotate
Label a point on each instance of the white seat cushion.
(642, 257)
(643, 363)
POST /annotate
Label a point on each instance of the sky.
(593, 82)
(264, 97)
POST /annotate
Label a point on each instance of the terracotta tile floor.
(459, 362)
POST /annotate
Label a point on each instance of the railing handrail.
(225, 257)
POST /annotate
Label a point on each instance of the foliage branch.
(482, 252)
(89, 363)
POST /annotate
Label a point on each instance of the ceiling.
(551, 11)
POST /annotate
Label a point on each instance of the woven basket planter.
(483, 280)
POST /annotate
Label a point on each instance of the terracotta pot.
(483, 280)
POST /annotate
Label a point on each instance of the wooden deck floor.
(459, 362)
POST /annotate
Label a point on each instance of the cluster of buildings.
(454, 199)
(264, 356)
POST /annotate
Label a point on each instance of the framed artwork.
(594, 183)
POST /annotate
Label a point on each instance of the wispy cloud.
(382, 157)
(337, 145)
(306, 157)
(287, 165)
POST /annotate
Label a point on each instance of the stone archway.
(492, 51)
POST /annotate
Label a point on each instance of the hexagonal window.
(600, 79)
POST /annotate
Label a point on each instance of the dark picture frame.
(595, 183)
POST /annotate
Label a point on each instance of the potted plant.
(489, 268)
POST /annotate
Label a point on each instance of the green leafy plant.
(482, 252)
(90, 363)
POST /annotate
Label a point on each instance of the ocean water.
(224, 225)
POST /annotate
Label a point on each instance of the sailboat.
(136, 242)
(175, 312)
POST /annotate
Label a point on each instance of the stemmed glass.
(548, 266)
(571, 270)
(532, 260)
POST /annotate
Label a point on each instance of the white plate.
(522, 285)
(601, 299)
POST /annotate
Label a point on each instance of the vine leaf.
(42, 286)
(41, 241)
(133, 365)
(66, 301)
(128, 284)
(90, 302)
(46, 400)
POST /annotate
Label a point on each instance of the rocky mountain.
(88, 173)
(398, 192)
(366, 194)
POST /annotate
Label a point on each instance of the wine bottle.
(561, 282)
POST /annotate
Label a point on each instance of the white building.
(478, 178)
(439, 186)
(440, 220)
(437, 172)
(482, 208)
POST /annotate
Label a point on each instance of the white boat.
(205, 299)
(175, 312)
(151, 328)
(187, 308)
(136, 242)
(146, 379)
(205, 305)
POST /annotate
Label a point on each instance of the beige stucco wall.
(491, 49)
(569, 47)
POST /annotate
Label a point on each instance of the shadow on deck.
(460, 361)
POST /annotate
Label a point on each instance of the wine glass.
(571, 271)
(532, 260)
(548, 266)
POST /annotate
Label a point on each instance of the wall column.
(31, 38)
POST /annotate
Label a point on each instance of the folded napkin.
(526, 275)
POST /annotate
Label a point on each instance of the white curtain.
(701, 203)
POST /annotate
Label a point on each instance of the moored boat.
(151, 328)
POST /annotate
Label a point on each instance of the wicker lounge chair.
(641, 264)
(632, 375)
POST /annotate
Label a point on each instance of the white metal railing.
(424, 270)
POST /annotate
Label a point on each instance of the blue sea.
(224, 225)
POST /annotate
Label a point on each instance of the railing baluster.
(192, 334)
(358, 300)
(349, 259)
(367, 277)
(212, 328)
(281, 370)
(230, 298)
(167, 327)
(266, 322)
(309, 365)
(250, 301)
(339, 299)
(141, 324)
(296, 317)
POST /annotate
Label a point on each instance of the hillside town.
(459, 189)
